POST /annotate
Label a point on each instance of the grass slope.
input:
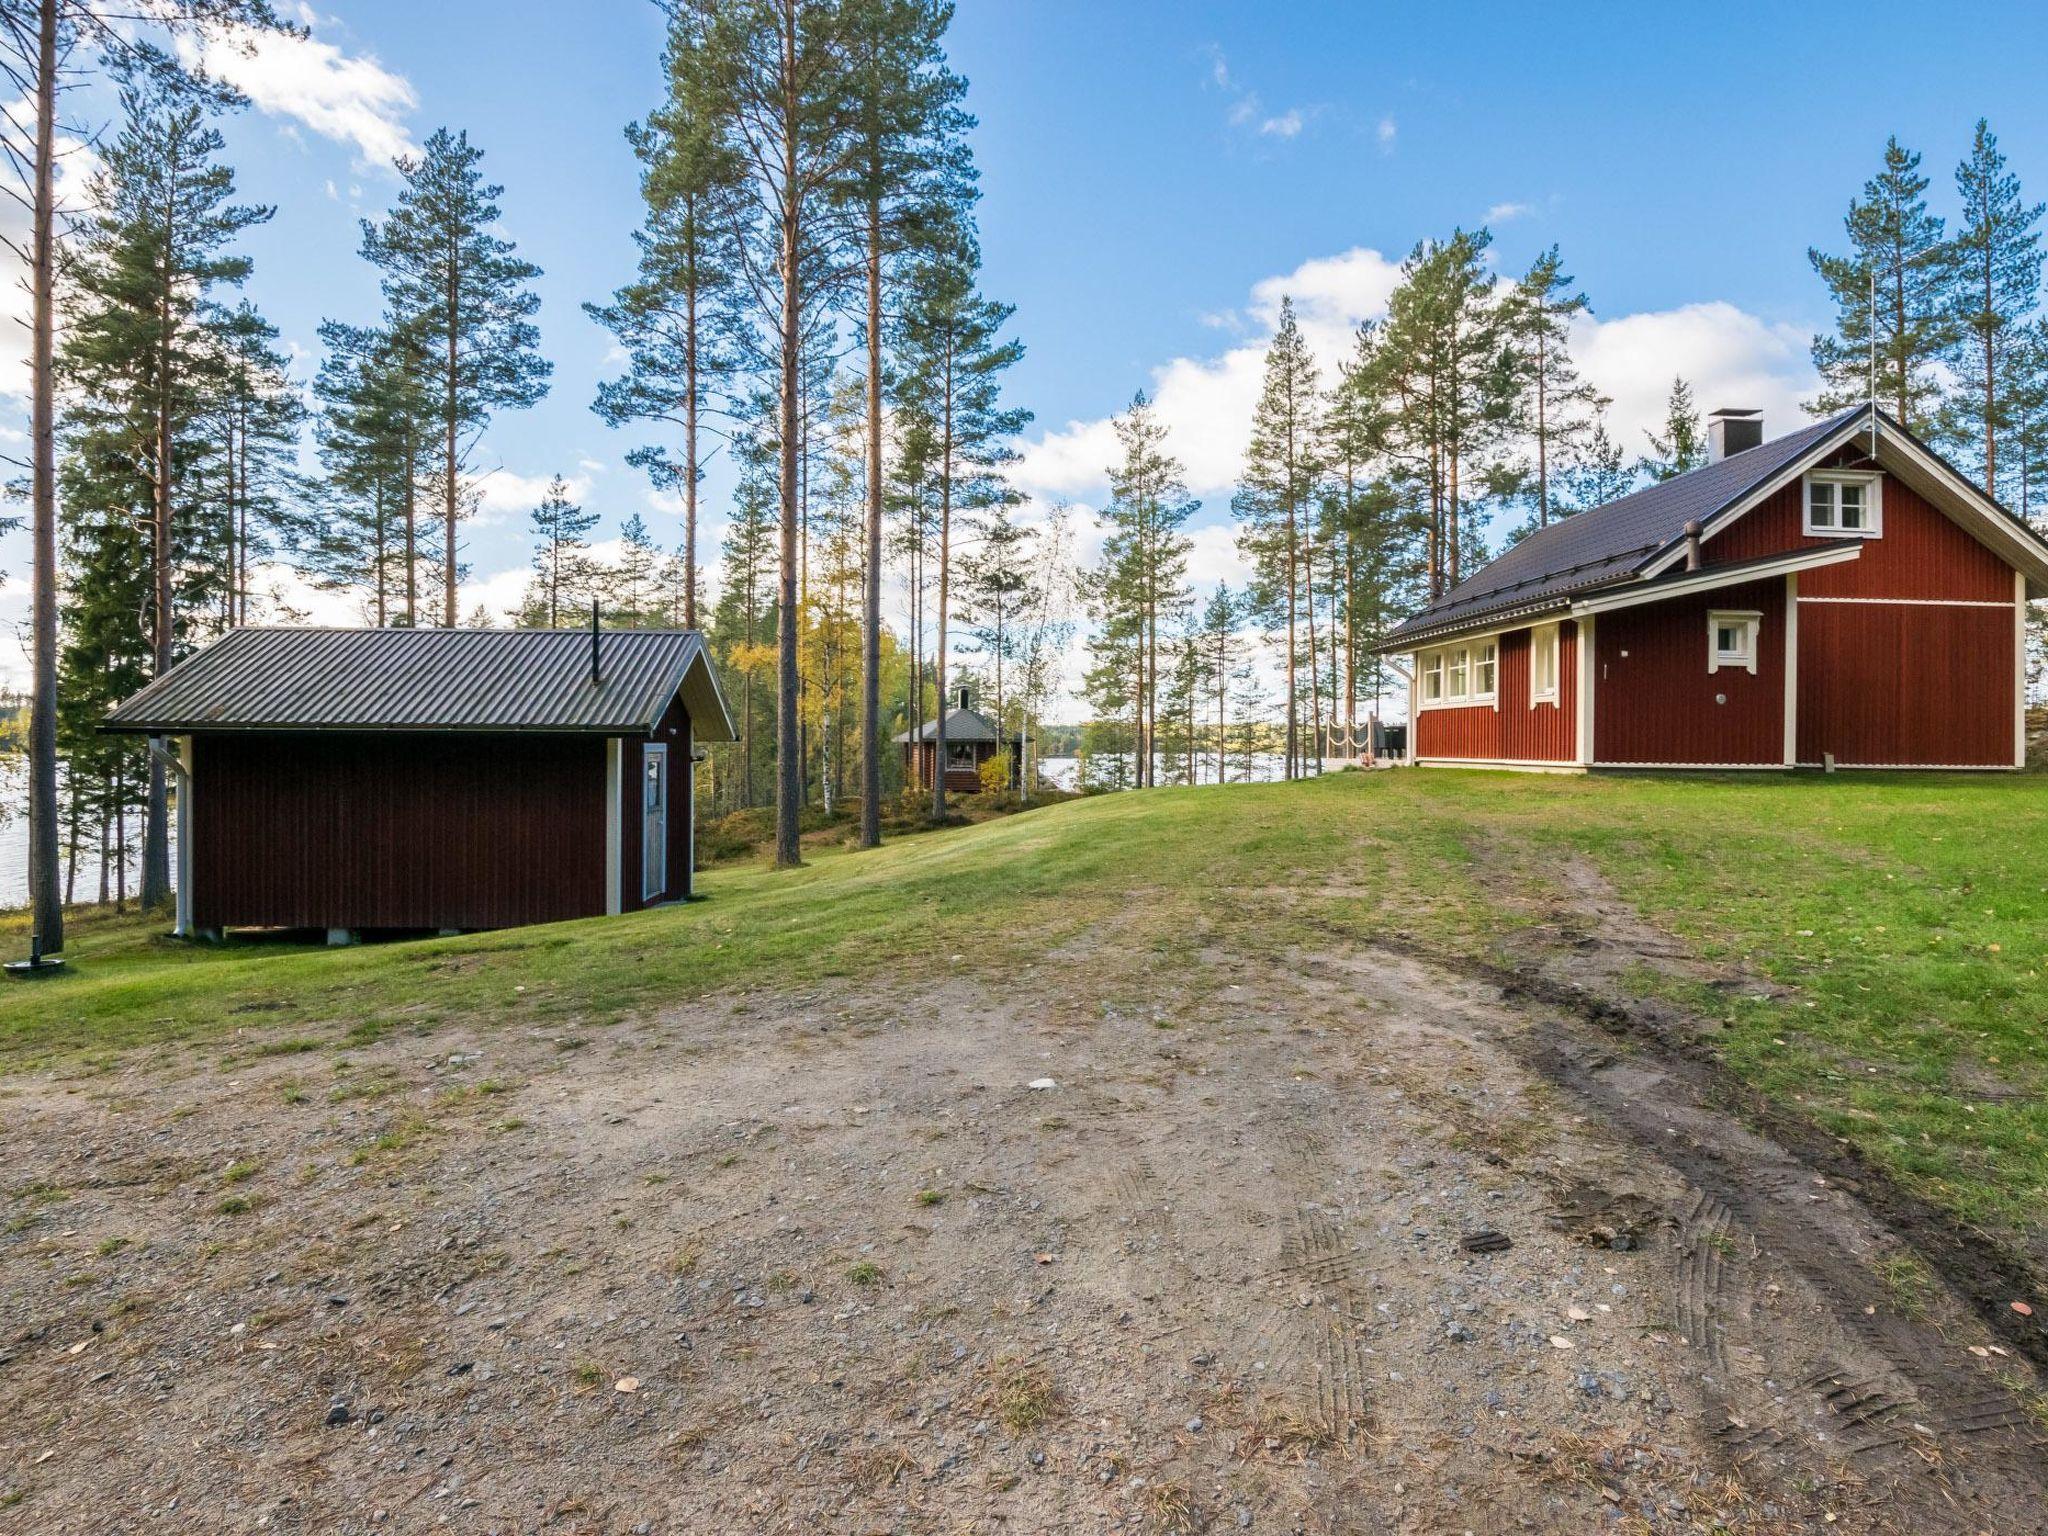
(1908, 916)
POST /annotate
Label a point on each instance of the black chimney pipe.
(596, 651)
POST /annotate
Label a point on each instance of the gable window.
(1844, 503)
(1459, 674)
(1731, 639)
(1543, 665)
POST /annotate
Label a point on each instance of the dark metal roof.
(961, 725)
(1614, 542)
(279, 679)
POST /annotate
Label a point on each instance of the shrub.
(995, 774)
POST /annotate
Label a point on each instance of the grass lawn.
(1907, 916)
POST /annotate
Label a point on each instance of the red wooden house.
(430, 778)
(1840, 596)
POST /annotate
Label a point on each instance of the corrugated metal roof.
(288, 679)
(1613, 542)
(961, 725)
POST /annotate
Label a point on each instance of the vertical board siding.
(1883, 683)
(1919, 554)
(1658, 703)
(396, 830)
(1515, 732)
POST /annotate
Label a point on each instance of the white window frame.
(1453, 671)
(1750, 621)
(1544, 643)
(1873, 504)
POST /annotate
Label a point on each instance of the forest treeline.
(807, 306)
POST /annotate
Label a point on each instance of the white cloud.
(352, 99)
(1385, 134)
(1729, 357)
(1503, 213)
(1246, 110)
(503, 491)
(1206, 403)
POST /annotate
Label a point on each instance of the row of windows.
(1469, 673)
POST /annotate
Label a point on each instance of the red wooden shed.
(1838, 597)
(430, 778)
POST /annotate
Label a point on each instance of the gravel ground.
(1329, 1241)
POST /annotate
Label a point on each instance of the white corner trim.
(1584, 703)
(614, 803)
(1791, 668)
(2019, 669)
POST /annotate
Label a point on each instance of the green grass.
(1905, 917)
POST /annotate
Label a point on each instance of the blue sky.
(1157, 174)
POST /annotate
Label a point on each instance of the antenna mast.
(1871, 398)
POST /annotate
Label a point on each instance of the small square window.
(1844, 503)
(1731, 641)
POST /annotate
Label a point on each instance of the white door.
(654, 823)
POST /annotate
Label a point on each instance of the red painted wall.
(1655, 701)
(1514, 732)
(1920, 553)
(396, 830)
(1884, 684)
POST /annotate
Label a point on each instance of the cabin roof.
(263, 678)
(961, 725)
(1617, 541)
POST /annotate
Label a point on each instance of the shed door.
(654, 819)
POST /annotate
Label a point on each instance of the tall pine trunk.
(871, 576)
(788, 746)
(690, 445)
(945, 575)
(156, 829)
(449, 489)
(47, 909)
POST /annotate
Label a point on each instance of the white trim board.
(1917, 602)
(1916, 767)
(1508, 764)
(1791, 668)
(1712, 578)
(1703, 767)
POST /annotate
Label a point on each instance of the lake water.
(1265, 768)
(14, 845)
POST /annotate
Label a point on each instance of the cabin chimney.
(1731, 431)
(596, 647)
(962, 696)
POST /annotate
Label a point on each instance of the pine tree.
(458, 287)
(1561, 409)
(995, 581)
(41, 49)
(908, 168)
(744, 621)
(1274, 500)
(1682, 445)
(371, 404)
(1446, 365)
(772, 78)
(561, 556)
(1600, 476)
(142, 336)
(672, 320)
(1894, 274)
(1994, 284)
(955, 355)
(254, 413)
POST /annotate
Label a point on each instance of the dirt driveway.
(1332, 1242)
